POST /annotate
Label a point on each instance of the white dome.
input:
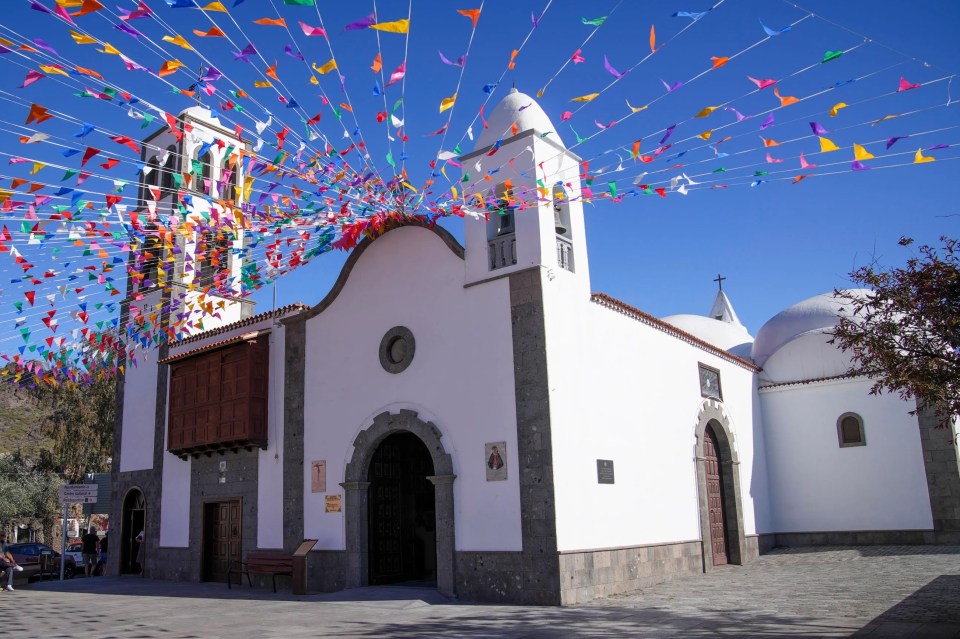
(517, 108)
(815, 315)
(724, 335)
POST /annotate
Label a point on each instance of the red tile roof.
(622, 307)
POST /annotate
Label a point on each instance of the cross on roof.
(719, 280)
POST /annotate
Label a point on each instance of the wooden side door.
(221, 539)
(715, 499)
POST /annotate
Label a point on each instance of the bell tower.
(187, 276)
(522, 190)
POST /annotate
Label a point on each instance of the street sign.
(78, 493)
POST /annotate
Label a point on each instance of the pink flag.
(397, 75)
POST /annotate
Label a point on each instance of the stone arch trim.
(356, 498)
(711, 413)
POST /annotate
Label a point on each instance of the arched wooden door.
(715, 497)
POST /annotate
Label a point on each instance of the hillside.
(20, 422)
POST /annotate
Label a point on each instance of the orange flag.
(214, 32)
(513, 56)
(38, 114)
(272, 72)
(785, 100)
(719, 61)
(377, 64)
(653, 40)
(473, 14)
(273, 22)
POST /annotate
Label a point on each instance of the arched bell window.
(850, 430)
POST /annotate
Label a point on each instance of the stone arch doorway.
(390, 437)
(401, 512)
(718, 489)
(133, 521)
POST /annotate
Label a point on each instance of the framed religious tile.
(710, 382)
(318, 476)
(333, 503)
(495, 460)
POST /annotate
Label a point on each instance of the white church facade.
(476, 417)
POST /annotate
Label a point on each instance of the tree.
(27, 492)
(79, 422)
(905, 333)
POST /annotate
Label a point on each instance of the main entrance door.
(221, 538)
(402, 517)
(715, 497)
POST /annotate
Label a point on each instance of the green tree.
(79, 422)
(905, 334)
(27, 492)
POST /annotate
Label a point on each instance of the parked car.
(28, 556)
(75, 550)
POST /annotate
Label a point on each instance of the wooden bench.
(262, 563)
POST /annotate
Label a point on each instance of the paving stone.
(876, 591)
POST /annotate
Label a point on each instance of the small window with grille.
(850, 430)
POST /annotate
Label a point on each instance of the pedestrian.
(140, 552)
(90, 552)
(7, 563)
(104, 544)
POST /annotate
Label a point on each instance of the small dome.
(817, 314)
(723, 335)
(517, 108)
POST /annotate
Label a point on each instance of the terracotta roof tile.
(622, 307)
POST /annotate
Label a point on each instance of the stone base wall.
(147, 481)
(853, 538)
(752, 548)
(326, 570)
(490, 576)
(589, 574)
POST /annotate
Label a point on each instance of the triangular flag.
(827, 145)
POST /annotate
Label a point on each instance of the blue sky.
(776, 243)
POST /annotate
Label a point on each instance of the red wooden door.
(715, 499)
(222, 539)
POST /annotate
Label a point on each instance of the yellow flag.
(79, 38)
(313, 79)
(886, 117)
(635, 109)
(836, 107)
(327, 68)
(36, 167)
(447, 103)
(179, 40)
(397, 26)
(585, 98)
(262, 84)
(860, 153)
(51, 69)
(827, 145)
(706, 111)
(109, 48)
(920, 158)
(706, 134)
(215, 6)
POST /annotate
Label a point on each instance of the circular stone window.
(396, 349)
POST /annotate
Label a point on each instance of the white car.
(75, 550)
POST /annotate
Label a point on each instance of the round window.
(397, 349)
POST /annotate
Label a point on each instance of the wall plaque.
(495, 460)
(318, 476)
(333, 503)
(605, 471)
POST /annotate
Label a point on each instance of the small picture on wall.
(318, 476)
(495, 460)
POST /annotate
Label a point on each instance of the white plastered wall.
(139, 412)
(628, 392)
(819, 486)
(461, 379)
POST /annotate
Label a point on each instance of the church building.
(479, 418)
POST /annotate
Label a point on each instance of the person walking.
(7, 563)
(90, 550)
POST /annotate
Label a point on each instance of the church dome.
(818, 314)
(517, 108)
(724, 335)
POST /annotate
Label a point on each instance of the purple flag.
(857, 165)
(818, 128)
(767, 122)
(362, 23)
